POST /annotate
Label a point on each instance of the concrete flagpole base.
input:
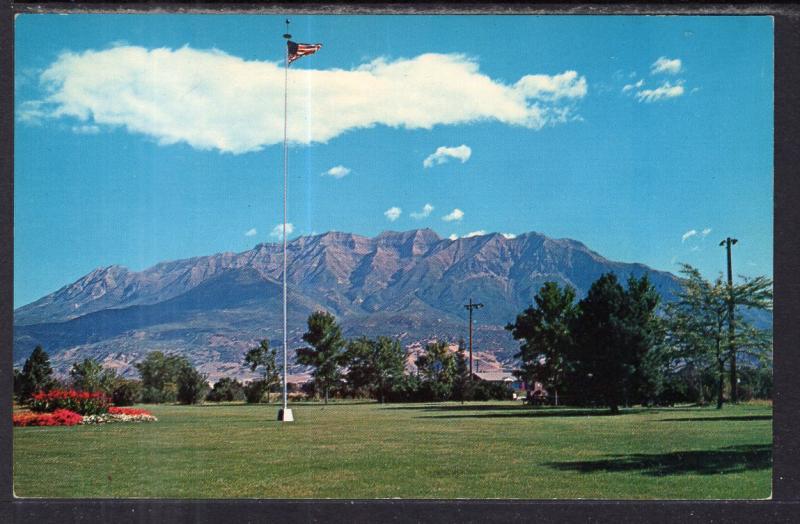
(285, 415)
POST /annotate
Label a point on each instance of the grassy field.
(351, 450)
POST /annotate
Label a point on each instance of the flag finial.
(287, 36)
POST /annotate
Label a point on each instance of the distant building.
(500, 377)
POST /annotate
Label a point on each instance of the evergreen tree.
(192, 386)
(613, 333)
(544, 332)
(326, 353)
(159, 374)
(265, 358)
(37, 374)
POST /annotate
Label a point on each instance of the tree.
(752, 293)
(159, 374)
(613, 333)
(37, 374)
(90, 376)
(545, 334)
(375, 365)
(326, 353)
(462, 385)
(226, 389)
(698, 320)
(265, 358)
(437, 369)
(192, 386)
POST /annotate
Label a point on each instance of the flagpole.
(285, 414)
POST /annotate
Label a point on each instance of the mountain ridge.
(409, 284)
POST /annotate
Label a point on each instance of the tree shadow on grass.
(712, 419)
(731, 459)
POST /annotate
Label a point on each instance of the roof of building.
(495, 376)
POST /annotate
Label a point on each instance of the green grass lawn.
(364, 450)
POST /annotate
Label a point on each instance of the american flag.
(299, 50)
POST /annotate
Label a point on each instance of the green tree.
(375, 365)
(89, 375)
(37, 374)
(697, 324)
(159, 374)
(437, 370)
(544, 332)
(326, 353)
(264, 358)
(613, 333)
(192, 385)
(226, 389)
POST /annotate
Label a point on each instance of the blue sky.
(143, 138)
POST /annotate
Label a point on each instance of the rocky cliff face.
(409, 284)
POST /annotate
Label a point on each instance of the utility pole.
(728, 242)
(470, 307)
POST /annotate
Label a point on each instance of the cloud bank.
(212, 100)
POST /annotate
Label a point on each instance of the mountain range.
(412, 285)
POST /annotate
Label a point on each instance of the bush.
(492, 391)
(226, 390)
(126, 392)
(254, 391)
(81, 402)
(192, 386)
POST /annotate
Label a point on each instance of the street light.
(728, 242)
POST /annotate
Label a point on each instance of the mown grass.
(365, 450)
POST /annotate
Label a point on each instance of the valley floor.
(365, 450)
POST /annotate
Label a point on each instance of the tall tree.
(89, 375)
(375, 365)
(326, 353)
(614, 331)
(697, 322)
(544, 332)
(437, 369)
(159, 374)
(37, 374)
(264, 358)
(751, 293)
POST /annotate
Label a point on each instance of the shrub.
(126, 392)
(254, 391)
(192, 386)
(226, 389)
(81, 402)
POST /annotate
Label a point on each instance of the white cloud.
(393, 213)
(509, 235)
(689, 234)
(630, 87)
(444, 154)
(213, 100)
(86, 130)
(277, 231)
(666, 90)
(426, 212)
(671, 66)
(252, 232)
(455, 214)
(478, 233)
(706, 232)
(453, 236)
(337, 172)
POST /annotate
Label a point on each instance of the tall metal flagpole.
(285, 414)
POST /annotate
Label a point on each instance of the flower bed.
(119, 415)
(81, 402)
(59, 417)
